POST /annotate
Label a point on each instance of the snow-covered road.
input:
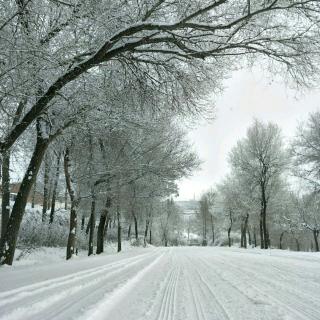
(167, 283)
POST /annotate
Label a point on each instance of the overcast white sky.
(247, 95)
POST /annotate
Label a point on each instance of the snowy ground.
(175, 283)
(47, 255)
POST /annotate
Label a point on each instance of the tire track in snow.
(64, 298)
(29, 290)
(168, 305)
(187, 283)
(100, 291)
(284, 273)
(277, 299)
(196, 303)
(313, 285)
(228, 292)
(164, 302)
(100, 310)
(213, 306)
(289, 302)
(219, 310)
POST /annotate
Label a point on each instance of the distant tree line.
(271, 198)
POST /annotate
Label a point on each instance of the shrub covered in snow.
(36, 233)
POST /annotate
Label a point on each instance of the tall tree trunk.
(264, 218)
(254, 237)
(315, 237)
(281, 238)
(212, 229)
(150, 236)
(101, 231)
(249, 237)
(83, 222)
(71, 245)
(88, 225)
(104, 219)
(261, 233)
(245, 227)
(8, 242)
(245, 237)
(34, 194)
(230, 228)
(241, 235)
(5, 165)
(66, 199)
(101, 226)
(92, 224)
(229, 238)
(49, 195)
(45, 188)
(268, 239)
(204, 241)
(55, 187)
(135, 225)
(146, 232)
(5, 168)
(119, 229)
(5, 205)
(129, 232)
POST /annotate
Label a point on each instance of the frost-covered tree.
(125, 165)
(169, 222)
(212, 198)
(259, 160)
(206, 215)
(305, 150)
(308, 206)
(70, 39)
(227, 205)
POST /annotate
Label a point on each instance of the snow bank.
(47, 255)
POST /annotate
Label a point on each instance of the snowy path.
(175, 283)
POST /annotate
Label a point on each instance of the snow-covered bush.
(37, 233)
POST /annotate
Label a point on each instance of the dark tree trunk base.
(9, 240)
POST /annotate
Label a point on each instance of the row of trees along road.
(91, 69)
(271, 196)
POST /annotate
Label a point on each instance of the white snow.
(167, 283)
(39, 256)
